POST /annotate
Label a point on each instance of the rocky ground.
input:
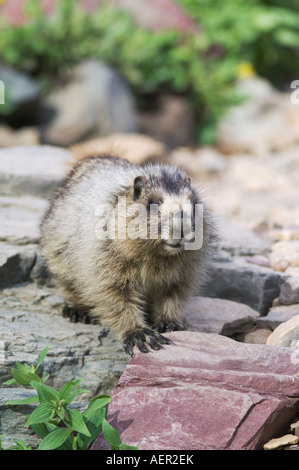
(238, 365)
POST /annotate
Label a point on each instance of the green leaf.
(41, 357)
(95, 404)
(41, 414)
(67, 388)
(94, 425)
(43, 429)
(61, 412)
(55, 439)
(45, 377)
(77, 423)
(127, 447)
(110, 434)
(24, 401)
(10, 382)
(24, 376)
(21, 445)
(72, 396)
(24, 367)
(45, 393)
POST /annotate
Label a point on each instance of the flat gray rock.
(278, 315)
(241, 242)
(289, 291)
(35, 170)
(236, 279)
(31, 318)
(220, 316)
(20, 219)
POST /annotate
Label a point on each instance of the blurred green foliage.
(262, 32)
(201, 65)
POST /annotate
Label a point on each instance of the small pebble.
(286, 440)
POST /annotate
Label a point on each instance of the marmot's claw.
(163, 326)
(142, 338)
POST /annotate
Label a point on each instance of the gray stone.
(34, 171)
(16, 263)
(201, 164)
(278, 315)
(13, 418)
(31, 318)
(40, 272)
(23, 94)
(241, 242)
(264, 122)
(219, 316)
(20, 219)
(289, 291)
(95, 101)
(237, 280)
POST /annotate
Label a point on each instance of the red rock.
(204, 392)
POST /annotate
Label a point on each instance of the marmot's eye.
(152, 201)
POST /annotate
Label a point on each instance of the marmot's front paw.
(142, 337)
(173, 325)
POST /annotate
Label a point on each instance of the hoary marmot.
(136, 285)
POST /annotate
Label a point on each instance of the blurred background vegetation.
(231, 39)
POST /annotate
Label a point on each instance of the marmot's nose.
(178, 224)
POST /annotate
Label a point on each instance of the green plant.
(262, 32)
(59, 425)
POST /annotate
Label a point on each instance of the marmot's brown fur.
(138, 287)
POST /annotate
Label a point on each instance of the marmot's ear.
(139, 183)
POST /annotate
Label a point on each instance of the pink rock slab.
(204, 392)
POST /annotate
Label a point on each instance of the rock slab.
(241, 281)
(205, 392)
(33, 170)
(220, 316)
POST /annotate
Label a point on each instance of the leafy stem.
(60, 425)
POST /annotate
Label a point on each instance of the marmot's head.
(166, 199)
